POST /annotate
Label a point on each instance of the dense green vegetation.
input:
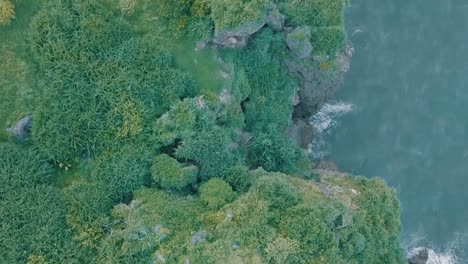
(143, 152)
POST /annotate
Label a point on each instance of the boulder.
(301, 132)
(298, 42)
(199, 237)
(275, 18)
(418, 255)
(21, 130)
(237, 38)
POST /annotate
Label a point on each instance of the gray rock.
(298, 42)
(237, 38)
(301, 132)
(199, 237)
(275, 18)
(418, 256)
(22, 129)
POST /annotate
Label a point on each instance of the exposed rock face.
(199, 237)
(418, 256)
(275, 18)
(22, 129)
(298, 42)
(301, 132)
(237, 38)
(320, 80)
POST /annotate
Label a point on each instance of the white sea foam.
(324, 121)
(434, 257)
(448, 253)
(325, 118)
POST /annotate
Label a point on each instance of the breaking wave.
(324, 121)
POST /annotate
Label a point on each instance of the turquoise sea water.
(408, 85)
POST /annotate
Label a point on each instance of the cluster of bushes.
(133, 161)
(281, 219)
(325, 17)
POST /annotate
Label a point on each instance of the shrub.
(88, 205)
(238, 177)
(228, 14)
(169, 174)
(277, 191)
(328, 40)
(308, 226)
(210, 149)
(216, 193)
(7, 12)
(274, 152)
(122, 170)
(32, 213)
(21, 167)
(266, 88)
(314, 13)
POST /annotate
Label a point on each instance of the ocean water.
(408, 88)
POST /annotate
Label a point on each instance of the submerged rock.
(22, 129)
(298, 42)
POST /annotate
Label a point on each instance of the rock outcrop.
(275, 18)
(418, 256)
(298, 42)
(237, 38)
(21, 130)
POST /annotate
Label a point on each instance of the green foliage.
(122, 170)
(271, 88)
(16, 91)
(21, 167)
(328, 40)
(277, 191)
(216, 193)
(315, 13)
(210, 150)
(326, 19)
(274, 152)
(7, 12)
(238, 177)
(228, 14)
(32, 212)
(88, 205)
(110, 87)
(169, 174)
(98, 84)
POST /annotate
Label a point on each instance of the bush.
(277, 191)
(238, 177)
(7, 12)
(274, 152)
(314, 13)
(32, 213)
(308, 225)
(122, 170)
(266, 88)
(169, 174)
(210, 149)
(88, 206)
(216, 193)
(228, 14)
(21, 167)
